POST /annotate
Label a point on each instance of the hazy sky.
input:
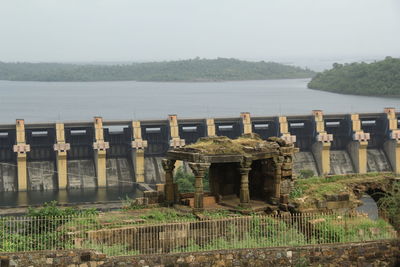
(131, 30)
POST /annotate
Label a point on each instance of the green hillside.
(381, 78)
(221, 69)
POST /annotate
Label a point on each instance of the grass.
(222, 145)
(351, 229)
(243, 232)
(317, 187)
(219, 214)
(166, 215)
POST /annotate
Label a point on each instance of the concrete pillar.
(175, 140)
(170, 194)
(100, 147)
(61, 148)
(392, 144)
(210, 128)
(284, 130)
(247, 127)
(321, 147)
(357, 148)
(199, 170)
(21, 148)
(138, 145)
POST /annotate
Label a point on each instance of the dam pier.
(100, 154)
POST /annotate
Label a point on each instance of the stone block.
(338, 204)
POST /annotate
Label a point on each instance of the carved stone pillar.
(244, 182)
(267, 186)
(278, 162)
(199, 170)
(168, 166)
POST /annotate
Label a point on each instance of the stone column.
(21, 148)
(174, 139)
(244, 182)
(321, 146)
(168, 166)
(267, 187)
(210, 127)
(138, 145)
(198, 170)
(61, 148)
(247, 127)
(392, 143)
(284, 131)
(100, 147)
(278, 162)
(357, 148)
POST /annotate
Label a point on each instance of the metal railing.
(113, 236)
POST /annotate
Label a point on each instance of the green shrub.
(50, 209)
(297, 191)
(185, 181)
(166, 215)
(390, 204)
(131, 204)
(306, 173)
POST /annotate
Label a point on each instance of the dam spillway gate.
(97, 154)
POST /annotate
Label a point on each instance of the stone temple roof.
(214, 149)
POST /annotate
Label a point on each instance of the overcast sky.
(132, 30)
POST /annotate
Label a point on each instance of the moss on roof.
(244, 145)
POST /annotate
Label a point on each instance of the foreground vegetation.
(380, 78)
(155, 233)
(129, 231)
(221, 69)
(317, 187)
(390, 205)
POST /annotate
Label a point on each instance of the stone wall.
(377, 253)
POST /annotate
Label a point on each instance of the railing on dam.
(114, 236)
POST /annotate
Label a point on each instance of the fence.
(135, 237)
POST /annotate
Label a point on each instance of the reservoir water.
(72, 101)
(75, 196)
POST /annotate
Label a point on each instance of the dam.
(98, 154)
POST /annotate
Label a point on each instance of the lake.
(72, 101)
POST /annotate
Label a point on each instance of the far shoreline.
(157, 81)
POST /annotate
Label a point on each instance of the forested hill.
(220, 69)
(380, 78)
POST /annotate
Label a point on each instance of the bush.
(50, 209)
(185, 181)
(390, 204)
(306, 173)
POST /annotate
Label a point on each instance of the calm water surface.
(75, 196)
(61, 101)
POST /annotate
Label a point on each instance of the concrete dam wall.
(96, 154)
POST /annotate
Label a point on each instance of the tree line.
(221, 69)
(381, 78)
